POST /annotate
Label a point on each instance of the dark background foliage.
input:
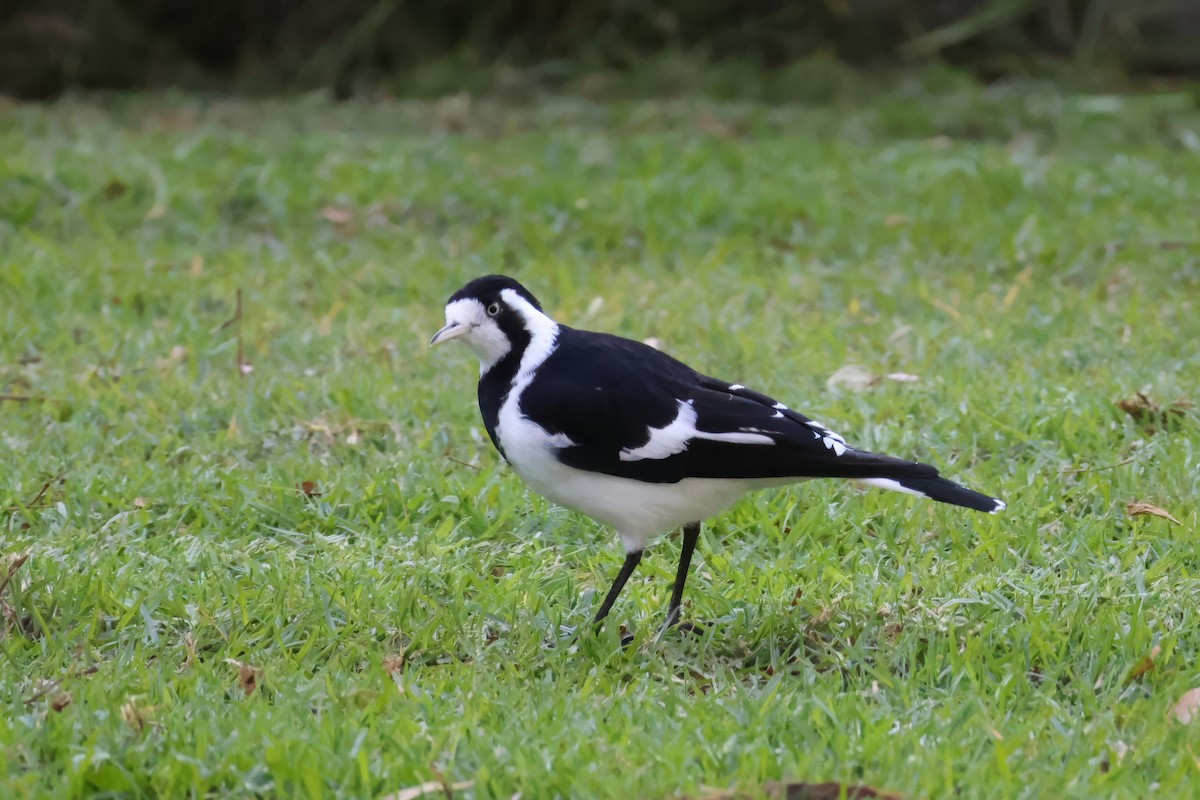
(47, 46)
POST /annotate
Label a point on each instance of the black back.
(606, 392)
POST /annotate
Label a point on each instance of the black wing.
(610, 395)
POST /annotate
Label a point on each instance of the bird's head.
(494, 316)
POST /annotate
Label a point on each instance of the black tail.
(942, 490)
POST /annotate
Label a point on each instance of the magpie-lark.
(638, 440)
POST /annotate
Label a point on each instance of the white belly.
(638, 510)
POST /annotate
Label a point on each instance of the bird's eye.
(493, 309)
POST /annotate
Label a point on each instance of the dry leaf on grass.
(1142, 667)
(338, 216)
(1188, 707)
(1145, 410)
(853, 377)
(823, 617)
(114, 190)
(429, 788)
(1137, 508)
(453, 112)
(137, 716)
(247, 675)
(714, 126)
(1138, 406)
(860, 379)
(395, 662)
(189, 649)
(829, 790)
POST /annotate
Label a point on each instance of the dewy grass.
(311, 575)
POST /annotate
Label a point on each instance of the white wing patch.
(895, 486)
(831, 440)
(675, 437)
(559, 440)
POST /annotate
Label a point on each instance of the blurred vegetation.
(314, 578)
(48, 46)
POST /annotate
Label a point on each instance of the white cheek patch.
(484, 337)
(489, 343)
(675, 437)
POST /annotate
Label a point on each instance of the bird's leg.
(691, 533)
(631, 562)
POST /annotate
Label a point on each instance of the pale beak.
(451, 331)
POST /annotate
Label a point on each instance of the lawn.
(307, 573)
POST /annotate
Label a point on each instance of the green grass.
(1031, 256)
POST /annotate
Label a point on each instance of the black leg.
(691, 533)
(631, 562)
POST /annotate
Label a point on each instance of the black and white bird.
(638, 440)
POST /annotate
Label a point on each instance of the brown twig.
(39, 495)
(27, 398)
(13, 566)
(241, 354)
(460, 461)
(1129, 460)
(54, 684)
(237, 314)
(236, 319)
(447, 789)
